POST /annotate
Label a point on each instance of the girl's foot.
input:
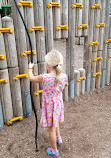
(53, 152)
(59, 140)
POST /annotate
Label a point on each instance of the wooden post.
(65, 93)
(105, 46)
(10, 45)
(5, 96)
(64, 17)
(76, 83)
(101, 41)
(70, 47)
(15, 92)
(88, 51)
(29, 19)
(3, 63)
(35, 87)
(79, 19)
(1, 117)
(48, 26)
(23, 61)
(95, 38)
(85, 16)
(82, 83)
(56, 20)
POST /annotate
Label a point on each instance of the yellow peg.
(20, 76)
(2, 57)
(3, 80)
(96, 74)
(14, 119)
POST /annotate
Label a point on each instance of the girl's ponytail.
(58, 73)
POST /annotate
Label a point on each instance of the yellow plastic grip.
(53, 4)
(94, 43)
(25, 3)
(2, 57)
(100, 25)
(7, 30)
(80, 79)
(27, 53)
(66, 84)
(77, 5)
(38, 92)
(36, 28)
(108, 41)
(20, 76)
(83, 26)
(96, 59)
(98, 6)
(96, 74)
(3, 80)
(14, 119)
(64, 27)
(109, 56)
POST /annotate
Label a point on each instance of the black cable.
(30, 82)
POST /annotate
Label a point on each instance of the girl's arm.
(32, 78)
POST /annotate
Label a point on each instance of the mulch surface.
(86, 131)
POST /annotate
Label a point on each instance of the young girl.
(52, 102)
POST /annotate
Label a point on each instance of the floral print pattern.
(52, 102)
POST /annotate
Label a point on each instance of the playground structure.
(48, 20)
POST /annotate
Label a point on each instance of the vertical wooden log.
(96, 21)
(108, 68)
(105, 46)
(88, 52)
(35, 87)
(48, 26)
(10, 45)
(3, 63)
(15, 92)
(98, 69)
(40, 36)
(77, 84)
(64, 18)
(79, 19)
(56, 20)
(5, 96)
(101, 41)
(70, 47)
(29, 19)
(65, 93)
(85, 16)
(1, 117)
(82, 83)
(23, 61)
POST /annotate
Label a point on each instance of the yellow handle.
(96, 59)
(100, 25)
(2, 57)
(83, 26)
(7, 30)
(3, 80)
(107, 41)
(14, 119)
(36, 28)
(66, 84)
(77, 5)
(28, 53)
(80, 79)
(20, 76)
(65, 27)
(98, 6)
(25, 3)
(94, 43)
(53, 4)
(96, 74)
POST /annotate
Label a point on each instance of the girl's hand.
(31, 65)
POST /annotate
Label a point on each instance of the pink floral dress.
(52, 102)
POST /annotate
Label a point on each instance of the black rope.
(30, 83)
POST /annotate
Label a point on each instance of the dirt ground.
(86, 131)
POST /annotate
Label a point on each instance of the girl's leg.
(52, 136)
(58, 132)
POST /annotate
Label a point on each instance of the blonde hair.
(55, 59)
